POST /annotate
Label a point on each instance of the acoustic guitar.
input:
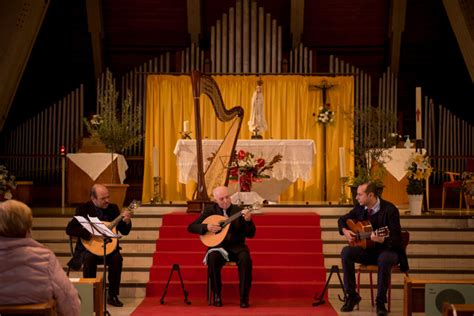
(211, 239)
(96, 244)
(363, 231)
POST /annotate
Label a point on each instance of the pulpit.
(85, 169)
(297, 161)
(395, 180)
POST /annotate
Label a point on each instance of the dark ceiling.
(354, 30)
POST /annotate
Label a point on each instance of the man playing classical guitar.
(100, 207)
(386, 252)
(233, 243)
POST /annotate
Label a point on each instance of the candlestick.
(418, 113)
(156, 199)
(155, 163)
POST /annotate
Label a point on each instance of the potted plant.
(418, 171)
(118, 128)
(7, 183)
(370, 146)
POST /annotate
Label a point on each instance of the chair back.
(405, 239)
(469, 165)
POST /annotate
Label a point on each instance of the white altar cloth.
(93, 164)
(297, 156)
(396, 164)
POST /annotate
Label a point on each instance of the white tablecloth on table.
(93, 164)
(296, 162)
(398, 158)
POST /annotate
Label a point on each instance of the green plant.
(371, 141)
(118, 129)
(7, 182)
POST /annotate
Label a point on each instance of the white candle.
(186, 126)
(342, 162)
(418, 113)
(155, 162)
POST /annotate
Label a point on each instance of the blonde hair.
(16, 219)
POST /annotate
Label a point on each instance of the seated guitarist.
(234, 244)
(388, 251)
(100, 207)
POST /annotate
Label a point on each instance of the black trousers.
(215, 262)
(114, 265)
(384, 259)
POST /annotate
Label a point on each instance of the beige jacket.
(31, 273)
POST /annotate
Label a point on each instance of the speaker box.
(437, 294)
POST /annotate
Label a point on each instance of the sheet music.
(96, 227)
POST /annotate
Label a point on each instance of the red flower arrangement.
(247, 169)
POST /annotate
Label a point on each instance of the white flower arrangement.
(418, 170)
(326, 115)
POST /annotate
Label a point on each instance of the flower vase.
(245, 183)
(415, 203)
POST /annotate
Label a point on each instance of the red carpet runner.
(288, 266)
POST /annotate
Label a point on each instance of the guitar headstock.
(382, 232)
(134, 205)
(255, 206)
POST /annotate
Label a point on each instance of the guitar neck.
(115, 222)
(364, 235)
(232, 218)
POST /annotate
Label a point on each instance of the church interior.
(291, 104)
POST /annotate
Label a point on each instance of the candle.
(342, 162)
(418, 113)
(186, 126)
(155, 162)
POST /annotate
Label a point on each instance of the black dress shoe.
(244, 303)
(381, 310)
(217, 300)
(114, 301)
(351, 302)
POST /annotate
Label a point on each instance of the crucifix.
(324, 87)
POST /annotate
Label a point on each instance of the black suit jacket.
(74, 228)
(239, 229)
(388, 215)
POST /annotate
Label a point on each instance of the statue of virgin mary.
(257, 123)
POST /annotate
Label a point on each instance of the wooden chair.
(458, 309)
(210, 296)
(455, 183)
(40, 309)
(374, 269)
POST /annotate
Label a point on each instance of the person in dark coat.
(100, 207)
(234, 244)
(387, 251)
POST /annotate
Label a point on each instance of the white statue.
(257, 122)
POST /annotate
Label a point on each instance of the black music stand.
(175, 267)
(320, 300)
(106, 239)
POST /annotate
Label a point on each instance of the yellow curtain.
(291, 109)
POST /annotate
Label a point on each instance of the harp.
(217, 173)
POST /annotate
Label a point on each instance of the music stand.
(96, 232)
(320, 300)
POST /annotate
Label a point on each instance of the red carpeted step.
(286, 253)
(258, 258)
(256, 244)
(276, 219)
(260, 273)
(231, 289)
(298, 232)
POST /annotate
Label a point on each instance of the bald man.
(100, 207)
(234, 244)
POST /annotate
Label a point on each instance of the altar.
(297, 161)
(395, 181)
(85, 169)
